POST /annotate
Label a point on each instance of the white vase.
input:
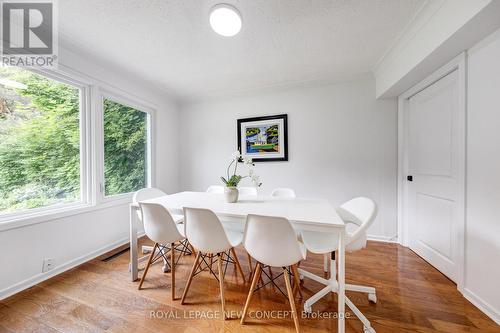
(231, 194)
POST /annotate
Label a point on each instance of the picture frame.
(264, 139)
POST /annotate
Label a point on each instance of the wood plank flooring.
(98, 297)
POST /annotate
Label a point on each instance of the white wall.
(342, 144)
(441, 30)
(77, 238)
(482, 273)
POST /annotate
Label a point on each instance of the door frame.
(459, 64)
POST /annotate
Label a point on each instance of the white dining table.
(303, 213)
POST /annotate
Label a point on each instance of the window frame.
(135, 103)
(85, 151)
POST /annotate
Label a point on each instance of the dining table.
(312, 214)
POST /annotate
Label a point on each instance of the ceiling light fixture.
(225, 20)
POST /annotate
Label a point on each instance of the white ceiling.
(170, 43)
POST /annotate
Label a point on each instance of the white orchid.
(233, 178)
(248, 161)
(236, 155)
(256, 180)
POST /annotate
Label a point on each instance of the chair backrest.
(362, 212)
(283, 193)
(247, 190)
(271, 241)
(146, 194)
(159, 225)
(215, 189)
(204, 230)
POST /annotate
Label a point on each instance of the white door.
(433, 161)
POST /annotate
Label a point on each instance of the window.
(125, 148)
(39, 141)
(49, 161)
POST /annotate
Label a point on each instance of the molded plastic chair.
(151, 193)
(146, 194)
(161, 228)
(206, 233)
(360, 212)
(247, 190)
(272, 241)
(215, 189)
(283, 193)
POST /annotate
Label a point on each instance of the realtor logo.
(29, 33)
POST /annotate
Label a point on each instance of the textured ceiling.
(171, 44)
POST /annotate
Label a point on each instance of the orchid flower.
(234, 179)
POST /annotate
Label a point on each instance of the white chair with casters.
(215, 189)
(283, 193)
(272, 241)
(206, 233)
(161, 228)
(360, 212)
(146, 194)
(247, 190)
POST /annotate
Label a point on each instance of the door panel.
(434, 217)
(433, 163)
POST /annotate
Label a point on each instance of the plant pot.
(231, 194)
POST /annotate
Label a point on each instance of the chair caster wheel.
(301, 277)
(308, 309)
(368, 330)
(372, 298)
(165, 269)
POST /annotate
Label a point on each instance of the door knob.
(409, 178)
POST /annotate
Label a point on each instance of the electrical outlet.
(48, 264)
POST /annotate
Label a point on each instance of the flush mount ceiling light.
(225, 20)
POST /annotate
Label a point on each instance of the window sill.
(26, 219)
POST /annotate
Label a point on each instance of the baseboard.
(384, 239)
(482, 305)
(14, 289)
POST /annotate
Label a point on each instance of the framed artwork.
(264, 138)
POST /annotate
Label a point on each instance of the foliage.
(39, 149)
(251, 131)
(233, 181)
(125, 141)
(40, 143)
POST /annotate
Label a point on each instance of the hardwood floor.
(98, 296)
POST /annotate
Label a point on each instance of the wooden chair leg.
(192, 248)
(256, 276)
(193, 270)
(221, 285)
(238, 266)
(296, 279)
(250, 263)
(147, 265)
(291, 300)
(172, 269)
(211, 260)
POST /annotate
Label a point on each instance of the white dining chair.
(247, 190)
(215, 189)
(206, 233)
(272, 241)
(232, 224)
(361, 212)
(161, 228)
(146, 194)
(283, 193)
